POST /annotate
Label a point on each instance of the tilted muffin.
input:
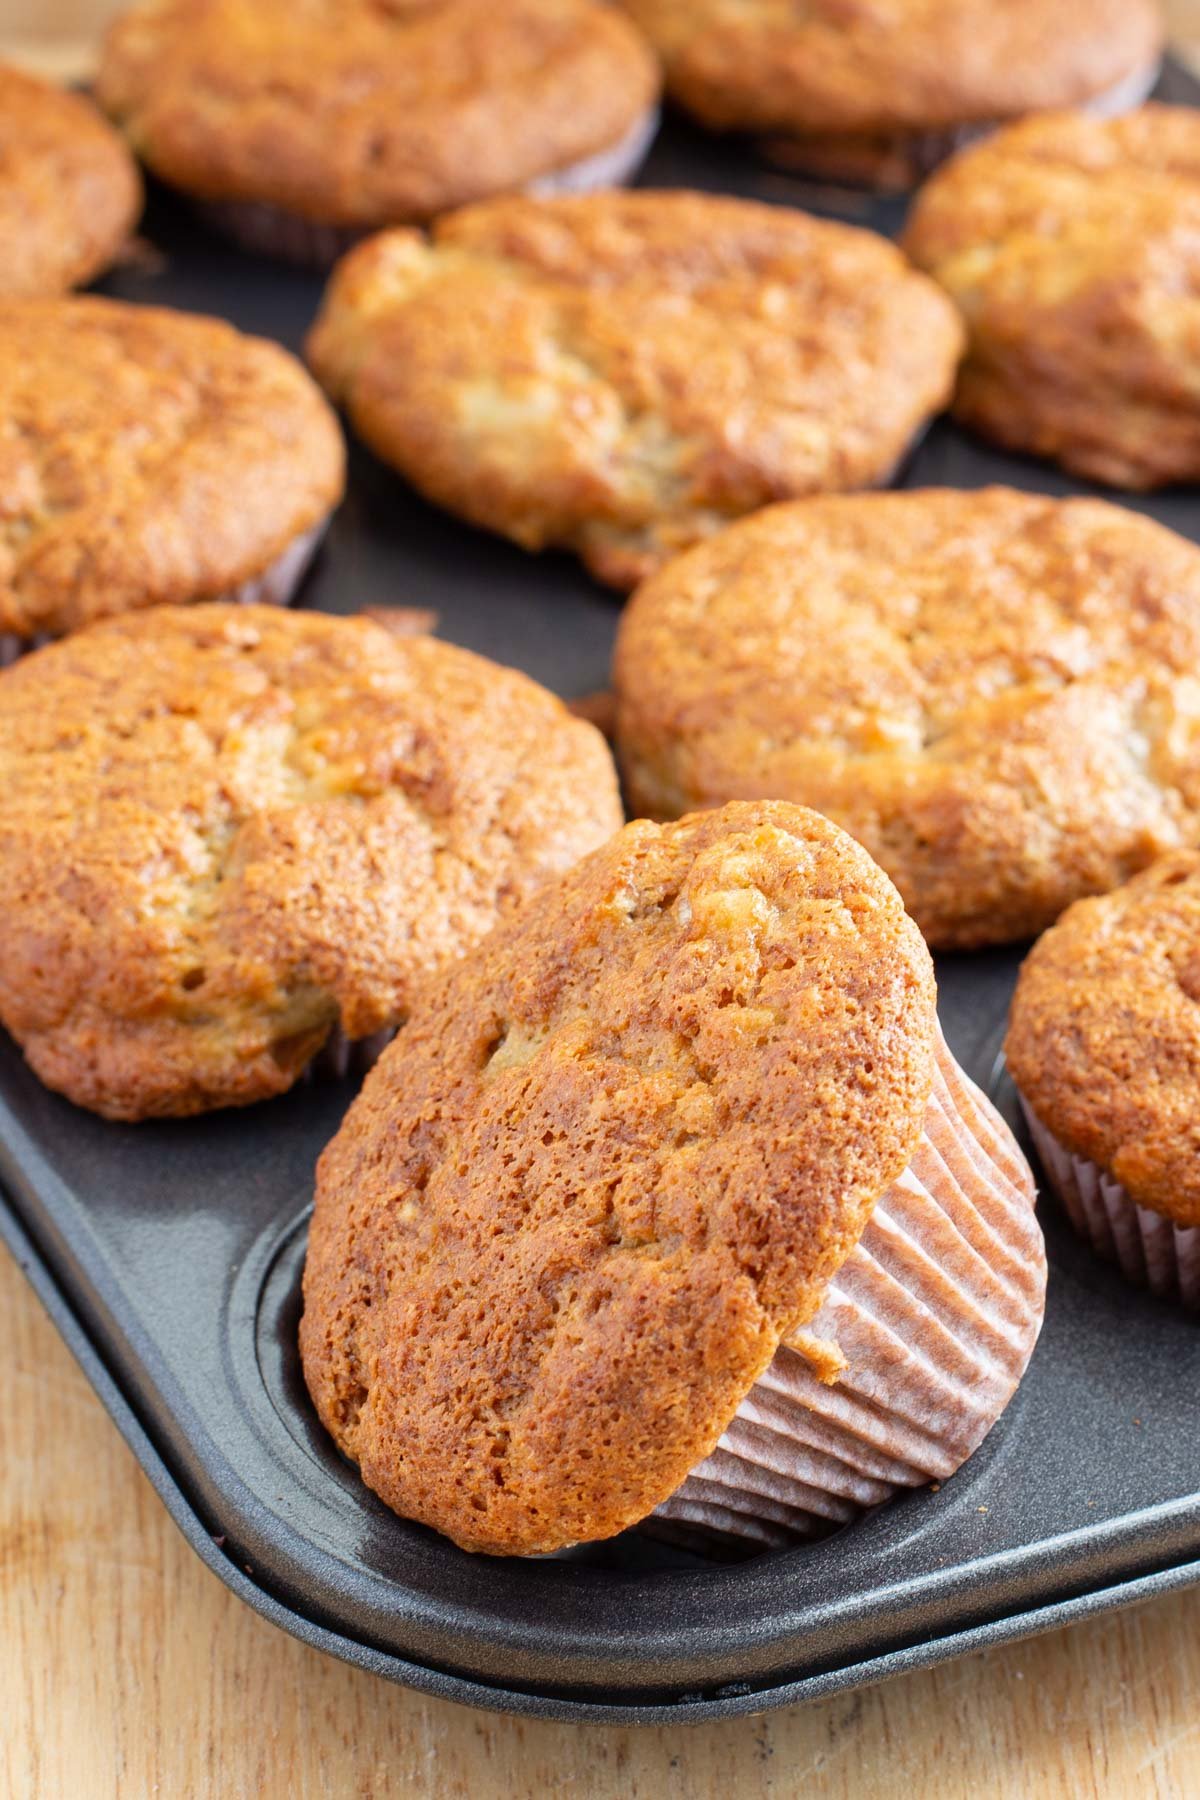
(669, 1201)
(303, 127)
(150, 456)
(228, 832)
(992, 691)
(621, 374)
(878, 91)
(1104, 1046)
(69, 190)
(1070, 246)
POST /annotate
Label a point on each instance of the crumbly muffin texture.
(1069, 243)
(617, 1153)
(872, 67)
(226, 830)
(371, 112)
(69, 190)
(622, 373)
(148, 456)
(1104, 1037)
(994, 692)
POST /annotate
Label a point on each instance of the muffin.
(1070, 246)
(1104, 1046)
(878, 93)
(302, 128)
(992, 691)
(669, 1204)
(150, 456)
(69, 190)
(228, 833)
(621, 374)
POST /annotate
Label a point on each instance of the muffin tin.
(170, 1256)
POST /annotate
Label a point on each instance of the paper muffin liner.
(341, 1056)
(905, 159)
(1147, 1247)
(276, 586)
(932, 1319)
(268, 230)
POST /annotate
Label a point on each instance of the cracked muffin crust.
(148, 456)
(69, 190)
(1104, 1037)
(621, 374)
(226, 830)
(1070, 246)
(614, 1157)
(875, 90)
(994, 692)
(360, 113)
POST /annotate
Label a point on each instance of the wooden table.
(126, 1669)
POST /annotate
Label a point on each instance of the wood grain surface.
(126, 1669)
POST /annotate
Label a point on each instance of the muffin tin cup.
(276, 586)
(1147, 1247)
(267, 230)
(904, 160)
(934, 1318)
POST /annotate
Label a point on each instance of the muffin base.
(267, 230)
(933, 1319)
(900, 161)
(1147, 1247)
(276, 586)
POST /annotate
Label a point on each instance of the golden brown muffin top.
(225, 830)
(622, 373)
(1070, 245)
(615, 1156)
(994, 692)
(885, 65)
(1104, 1038)
(70, 193)
(148, 456)
(370, 112)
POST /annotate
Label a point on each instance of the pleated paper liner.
(1147, 1247)
(898, 161)
(268, 230)
(276, 586)
(924, 1334)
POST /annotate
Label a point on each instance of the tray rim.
(741, 1700)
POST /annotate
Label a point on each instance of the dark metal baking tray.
(169, 1256)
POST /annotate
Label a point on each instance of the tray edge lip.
(441, 1684)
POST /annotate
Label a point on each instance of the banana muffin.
(69, 190)
(878, 91)
(621, 374)
(1070, 247)
(669, 1204)
(302, 127)
(151, 456)
(1104, 1046)
(227, 832)
(992, 691)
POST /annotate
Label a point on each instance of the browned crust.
(225, 830)
(1069, 245)
(1104, 1038)
(614, 1157)
(990, 691)
(148, 456)
(829, 66)
(621, 374)
(70, 193)
(352, 113)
